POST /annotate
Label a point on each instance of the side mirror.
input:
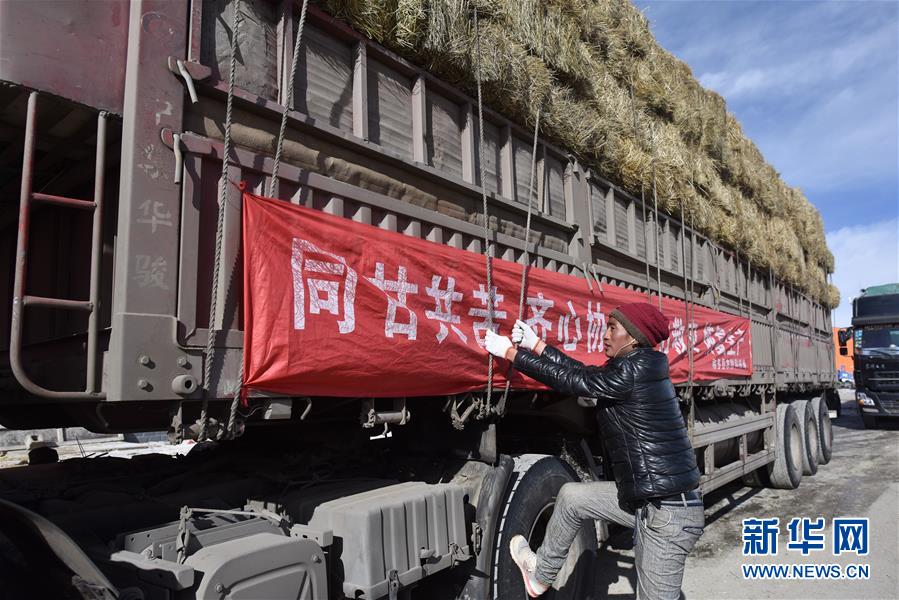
(844, 351)
(844, 335)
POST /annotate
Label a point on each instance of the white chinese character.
(480, 326)
(596, 327)
(720, 334)
(402, 287)
(323, 292)
(538, 322)
(443, 312)
(694, 338)
(569, 343)
(676, 340)
(735, 340)
(729, 343)
(708, 336)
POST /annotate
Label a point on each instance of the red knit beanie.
(644, 322)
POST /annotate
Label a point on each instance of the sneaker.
(526, 559)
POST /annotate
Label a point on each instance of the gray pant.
(663, 537)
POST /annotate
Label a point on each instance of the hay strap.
(288, 100)
(488, 247)
(642, 196)
(655, 204)
(219, 231)
(532, 199)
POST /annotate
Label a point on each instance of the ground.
(861, 480)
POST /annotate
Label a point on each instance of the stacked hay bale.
(622, 104)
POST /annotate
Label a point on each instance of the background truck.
(875, 336)
(112, 122)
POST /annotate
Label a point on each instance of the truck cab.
(875, 334)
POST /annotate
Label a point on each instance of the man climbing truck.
(652, 460)
(875, 335)
(268, 227)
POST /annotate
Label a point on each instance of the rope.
(531, 191)
(288, 101)
(527, 229)
(532, 199)
(485, 408)
(231, 428)
(655, 204)
(716, 289)
(749, 286)
(219, 229)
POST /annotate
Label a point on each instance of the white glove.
(524, 336)
(497, 345)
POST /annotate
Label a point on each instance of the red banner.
(338, 308)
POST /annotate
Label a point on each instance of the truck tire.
(834, 402)
(536, 480)
(809, 427)
(825, 429)
(786, 470)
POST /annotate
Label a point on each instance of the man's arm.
(554, 355)
(526, 337)
(613, 381)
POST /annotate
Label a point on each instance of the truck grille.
(891, 406)
(884, 381)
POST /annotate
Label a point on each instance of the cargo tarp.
(333, 307)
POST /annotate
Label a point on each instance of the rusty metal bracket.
(189, 72)
(454, 403)
(370, 417)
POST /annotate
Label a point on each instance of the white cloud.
(832, 146)
(865, 255)
(813, 83)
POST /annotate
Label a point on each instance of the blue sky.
(816, 87)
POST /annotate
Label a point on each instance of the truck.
(875, 359)
(119, 258)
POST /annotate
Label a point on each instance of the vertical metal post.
(775, 330)
(749, 287)
(360, 91)
(96, 253)
(688, 299)
(18, 304)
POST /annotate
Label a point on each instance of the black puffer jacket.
(639, 417)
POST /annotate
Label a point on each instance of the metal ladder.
(21, 299)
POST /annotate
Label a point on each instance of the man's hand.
(498, 345)
(524, 336)
(527, 338)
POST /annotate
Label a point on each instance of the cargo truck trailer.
(113, 120)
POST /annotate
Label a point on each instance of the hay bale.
(593, 68)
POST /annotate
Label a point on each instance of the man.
(644, 432)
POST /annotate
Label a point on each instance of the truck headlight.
(863, 399)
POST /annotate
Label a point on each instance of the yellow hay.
(592, 66)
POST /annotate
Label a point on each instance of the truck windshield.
(879, 338)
